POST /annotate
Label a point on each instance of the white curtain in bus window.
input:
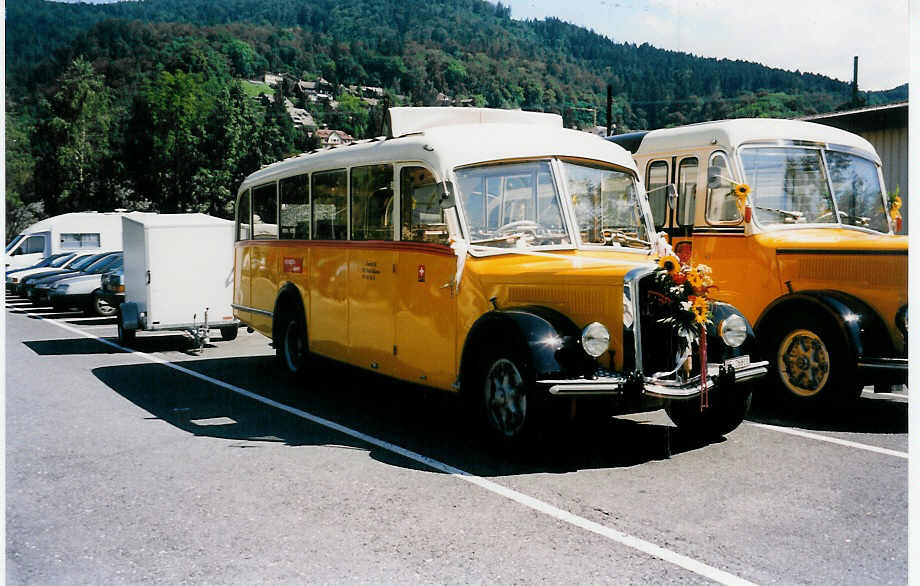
(422, 216)
(721, 206)
(295, 208)
(265, 212)
(656, 183)
(372, 203)
(243, 219)
(330, 211)
(71, 241)
(687, 172)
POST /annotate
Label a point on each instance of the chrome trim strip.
(252, 309)
(631, 280)
(884, 364)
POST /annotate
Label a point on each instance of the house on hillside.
(330, 138)
(272, 79)
(886, 128)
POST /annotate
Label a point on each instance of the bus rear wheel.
(291, 342)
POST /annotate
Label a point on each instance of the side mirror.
(714, 179)
(447, 195)
(671, 191)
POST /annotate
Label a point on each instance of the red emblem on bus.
(421, 273)
(293, 265)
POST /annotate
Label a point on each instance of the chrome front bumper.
(612, 384)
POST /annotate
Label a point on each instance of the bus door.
(371, 266)
(263, 260)
(426, 267)
(676, 221)
(241, 254)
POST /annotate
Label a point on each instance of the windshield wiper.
(795, 214)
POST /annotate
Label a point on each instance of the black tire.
(810, 363)
(291, 346)
(726, 411)
(502, 395)
(228, 333)
(100, 307)
(126, 337)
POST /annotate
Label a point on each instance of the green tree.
(73, 140)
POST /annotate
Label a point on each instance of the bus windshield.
(512, 205)
(607, 206)
(792, 185)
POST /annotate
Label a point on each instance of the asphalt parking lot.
(163, 465)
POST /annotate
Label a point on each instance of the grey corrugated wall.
(891, 144)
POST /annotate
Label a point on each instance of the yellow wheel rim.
(803, 363)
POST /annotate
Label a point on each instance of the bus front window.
(788, 186)
(858, 191)
(606, 204)
(512, 206)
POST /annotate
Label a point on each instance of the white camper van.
(178, 276)
(73, 232)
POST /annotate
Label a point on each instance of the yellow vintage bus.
(810, 254)
(487, 252)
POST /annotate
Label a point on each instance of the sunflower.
(670, 263)
(741, 191)
(695, 279)
(700, 309)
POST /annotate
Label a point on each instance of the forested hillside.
(139, 105)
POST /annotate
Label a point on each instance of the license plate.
(738, 362)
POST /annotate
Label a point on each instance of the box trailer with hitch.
(178, 276)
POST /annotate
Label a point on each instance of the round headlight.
(628, 318)
(733, 330)
(595, 339)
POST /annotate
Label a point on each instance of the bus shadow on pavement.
(864, 415)
(424, 421)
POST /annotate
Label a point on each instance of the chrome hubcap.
(506, 399)
(803, 364)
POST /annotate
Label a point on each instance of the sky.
(816, 36)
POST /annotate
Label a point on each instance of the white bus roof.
(443, 147)
(732, 133)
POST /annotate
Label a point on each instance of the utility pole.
(609, 109)
(855, 99)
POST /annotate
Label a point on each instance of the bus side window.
(720, 202)
(330, 205)
(372, 203)
(243, 219)
(295, 208)
(265, 212)
(687, 172)
(655, 181)
(421, 213)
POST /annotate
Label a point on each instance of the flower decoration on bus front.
(685, 289)
(741, 192)
(894, 208)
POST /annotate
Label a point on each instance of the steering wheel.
(521, 226)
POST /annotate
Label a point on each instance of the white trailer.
(178, 272)
(73, 232)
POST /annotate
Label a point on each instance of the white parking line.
(829, 439)
(636, 543)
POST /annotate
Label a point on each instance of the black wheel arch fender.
(716, 348)
(288, 293)
(861, 328)
(551, 340)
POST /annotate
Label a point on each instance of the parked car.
(39, 291)
(82, 291)
(15, 277)
(73, 265)
(113, 287)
